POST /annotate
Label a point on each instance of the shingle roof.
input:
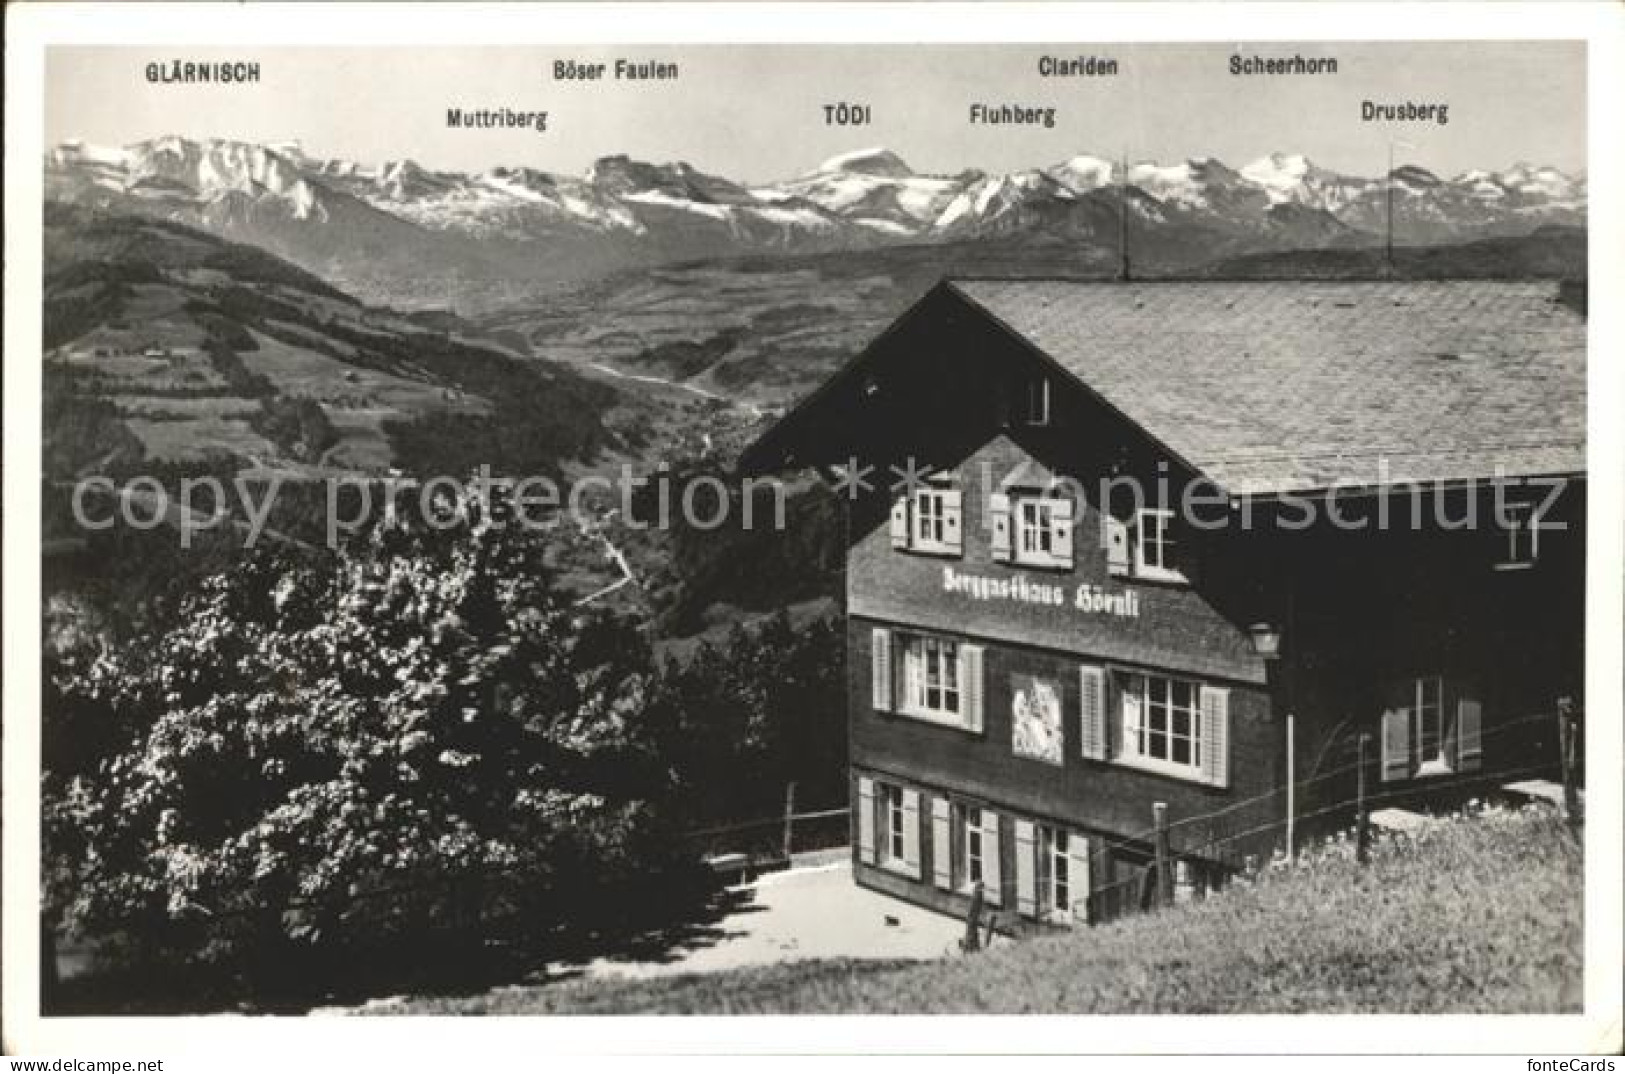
(1270, 386)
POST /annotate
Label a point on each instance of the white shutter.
(911, 832)
(1396, 744)
(880, 663)
(1061, 533)
(1092, 704)
(1077, 875)
(1026, 873)
(866, 819)
(999, 517)
(1131, 689)
(1117, 547)
(970, 685)
(899, 523)
(953, 520)
(913, 677)
(992, 878)
(1216, 736)
(1469, 731)
(942, 861)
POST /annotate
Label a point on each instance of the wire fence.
(770, 839)
(1142, 887)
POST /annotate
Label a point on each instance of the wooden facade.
(1024, 687)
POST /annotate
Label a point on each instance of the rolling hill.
(204, 348)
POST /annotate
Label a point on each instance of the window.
(1427, 715)
(1043, 531)
(895, 844)
(929, 520)
(931, 677)
(1521, 536)
(1162, 723)
(968, 822)
(1424, 734)
(1054, 873)
(889, 826)
(1154, 546)
(941, 679)
(1035, 402)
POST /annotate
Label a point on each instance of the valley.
(231, 308)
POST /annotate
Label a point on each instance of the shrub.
(417, 740)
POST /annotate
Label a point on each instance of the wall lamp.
(1266, 640)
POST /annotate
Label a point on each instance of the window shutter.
(1396, 744)
(992, 879)
(970, 685)
(913, 678)
(880, 664)
(1092, 706)
(911, 832)
(1131, 690)
(1026, 874)
(1216, 736)
(1117, 548)
(953, 520)
(1469, 741)
(1061, 525)
(999, 517)
(866, 819)
(1077, 874)
(942, 861)
(899, 523)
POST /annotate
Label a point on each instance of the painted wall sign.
(1019, 588)
(1035, 718)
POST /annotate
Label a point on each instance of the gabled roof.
(1270, 386)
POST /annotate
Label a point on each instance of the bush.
(415, 757)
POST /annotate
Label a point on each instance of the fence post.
(789, 817)
(1165, 866)
(1567, 748)
(1291, 788)
(1362, 814)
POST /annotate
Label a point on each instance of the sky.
(756, 112)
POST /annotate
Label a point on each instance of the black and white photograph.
(585, 516)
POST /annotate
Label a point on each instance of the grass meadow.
(1471, 915)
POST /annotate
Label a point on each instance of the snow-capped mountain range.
(383, 227)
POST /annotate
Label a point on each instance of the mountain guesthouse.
(1194, 548)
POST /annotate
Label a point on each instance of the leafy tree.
(765, 708)
(413, 755)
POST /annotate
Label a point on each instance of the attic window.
(1520, 534)
(1035, 400)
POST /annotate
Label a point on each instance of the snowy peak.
(621, 175)
(344, 216)
(1414, 180)
(1279, 174)
(1084, 173)
(881, 162)
(1546, 182)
